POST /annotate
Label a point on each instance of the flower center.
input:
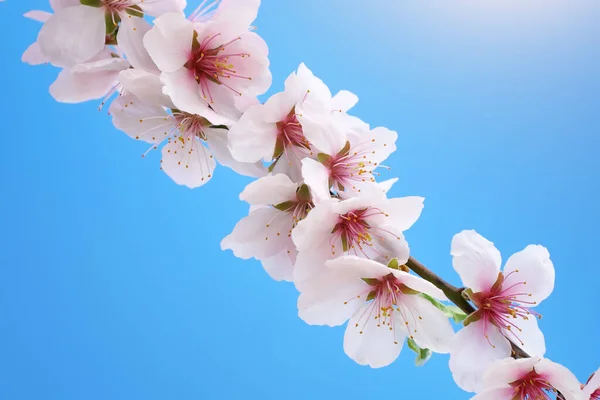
(121, 5)
(595, 395)
(533, 387)
(213, 64)
(503, 304)
(191, 125)
(350, 166)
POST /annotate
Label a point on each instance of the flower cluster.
(320, 217)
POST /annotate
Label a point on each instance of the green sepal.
(449, 310)
(344, 242)
(371, 281)
(278, 148)
(112, 23)
(286, 205)
(91, 3)
(219, 127)
(372, 294)
(195, 42)
(423, 355)
(394, 264)
(406, 290)
(324, 158)
(303, 194)
(345, 150)
(135, 11)
(474, 317)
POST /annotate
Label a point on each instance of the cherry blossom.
(504, 303)
(79, 31)
(208, 68)
(382, 306)
(33, 55)
(528, 378)
(190, 141)
(591, 390)
(368, 226)
(265, 234)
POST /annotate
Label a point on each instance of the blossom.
(504, 301)
(209, 67)
(79, 31)
(190, 141)
(591, 390)
(528, 378)
(33, 55)
(367, 226)
(382, 306)
(278, 204)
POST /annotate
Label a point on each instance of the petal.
(37, 15)
(73, 87)
(343, 101)
(382, 143)
(369, 344)
(391, 243)
(561, 378)
(592, 385)
(73, 35)
(145, 85)
(498, 393)
(310, 265)
(476, 260)
(280, 267)
(169, 42)
(429, 326)
(160, 7)
(316, 176)
(472, 353)
(316, 228)
(189, 163)
(251, 138)
(530, 338)
(58, 4)
(507, 370)
(33, 55)
(419, 284)
(272, 190)
(216, 140)
(243, 12)
(131, 41)
(531, 272)
(141, 120)
(361, 267)
(402, 212)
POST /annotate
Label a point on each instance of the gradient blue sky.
(112, 282)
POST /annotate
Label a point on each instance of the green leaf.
(303, 193)
(371, 281)
(286, 205)
(372, 294)
(91, 3)
(449, 310)
(324, 158)
(423, 355)
(135, 11)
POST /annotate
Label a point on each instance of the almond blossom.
(382, 306)
(528, 378)
(367, 226)
(504, 300)
(79, 31)
(591, 390)
(190, 141)
(208, 68)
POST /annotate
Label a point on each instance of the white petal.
(472, 353)
(280, 267)
(316, 176)
(592, 385)
(343, 101)
(382, 143)
(419, 284)
(33, 55)
(169, 42)
(369, 344)
(316, 228)
(498, 393)
(310, 264)
(159, 7)
(429, 326)
(530, 337)
(141, 120)
(272, 190)
(403, 211)
(37, 15)
(243, 12)
(131, 41)
(189, 163)
(251, 138)
(561, 379)
(507, 370)
(359, 266)
(476, 260)
(534, 267)
(217, 142)
(58, 4)
(146, 86)
(73, 35)
(73, 87)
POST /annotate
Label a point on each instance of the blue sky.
(112, 282)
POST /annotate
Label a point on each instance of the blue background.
(112, 282)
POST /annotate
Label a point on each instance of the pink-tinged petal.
(131, 41)
(73, 35)
(145, 85)
(271, 190)
(169, 42)
(315, 229)
(419, 284)
(402, 212)
(141, 120)
(561, 379)
(243, 103)
(359, 266)
(278, 106)
(310, 265)
(183, 90)
(382, 143)
(358, 203)
(507, 370)
(472, 353)
(256, 235)
(243, 12)
(73, 87)
(37, 15)
(280, 267)
(324, 137)
(530, 338)
(499, 393)
(251, 138)
(159, 7)
(34, 56)
(58, 4)
(592, 385)
(316, 86)
(529, 275)
(429, 326)
(217, 143)
(391, 243)
(343, 101)
(189, 163)
(476, 260)
(369, 344)
(316, 176)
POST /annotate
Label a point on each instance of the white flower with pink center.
(210, 68)
(278, 204)
(190, 141)
(367, 226)
(533, 378)
(382, 305)
(79, 31)
(504, 303)
(272, 132)
(591, 391)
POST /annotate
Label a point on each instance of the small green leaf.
(450, 311)
(91, 3)
(344, 242)
(135, 11)
(372, 294)
(303, 193)
(423, 355)
(324, 158)
(371, 281)
(286, 205)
